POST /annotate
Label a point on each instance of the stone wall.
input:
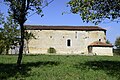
(105, 51)
(58, 40)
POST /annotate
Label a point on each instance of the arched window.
(68, 42)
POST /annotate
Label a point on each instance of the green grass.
(50, 67)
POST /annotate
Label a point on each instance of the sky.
(53, 16)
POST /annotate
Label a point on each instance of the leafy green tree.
(108, 42)
(96, 10)
(28, 36)
(9, 33)
(117, 45)
(1, 18)
(20, 10)
(1, 36)
(2, 47)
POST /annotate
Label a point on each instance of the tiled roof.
(80, 28)
(100, 44)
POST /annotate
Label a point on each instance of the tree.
(96, 10)
(108, 42)
(20, 10)
(117, 44)
(1, 18)
(28, 36)
(2, 47)
(9, 33)
(1, 36)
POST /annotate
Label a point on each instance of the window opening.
(100, 40)
(75, 34)
(69, 42)
(50, 36)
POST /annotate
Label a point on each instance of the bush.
(116, 52)
(51, 50)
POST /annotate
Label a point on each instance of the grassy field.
(50, 67)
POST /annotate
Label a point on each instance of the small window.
(69, 42)
(75, 34)
(100, 40)
(50, 36)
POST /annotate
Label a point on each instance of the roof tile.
(100, 44)
(80, 28)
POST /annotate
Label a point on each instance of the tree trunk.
(27, 46)
(7, 49)
(19, 61)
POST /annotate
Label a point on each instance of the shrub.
(116, 52)
(51, 50)
(82, 53)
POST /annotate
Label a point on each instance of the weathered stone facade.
(65, 39)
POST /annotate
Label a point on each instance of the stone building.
(68, 40)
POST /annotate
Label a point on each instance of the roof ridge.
(62, 25)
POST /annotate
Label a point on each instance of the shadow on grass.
(111, 68)
(10, 70)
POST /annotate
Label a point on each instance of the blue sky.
(53, 16)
